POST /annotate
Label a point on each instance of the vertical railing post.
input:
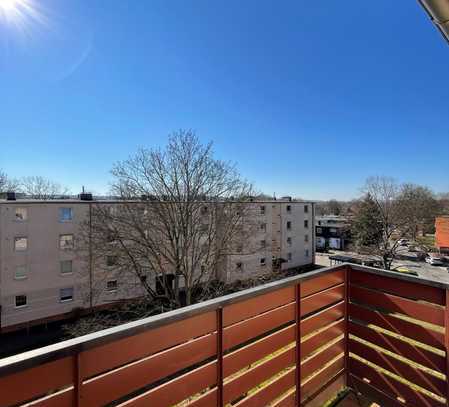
(346, 325)
(77, 380)
(446, 343)
(220, 357)
(298, 344)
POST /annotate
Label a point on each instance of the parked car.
(404, 269)
(434, 260)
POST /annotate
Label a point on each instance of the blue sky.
(308, 98)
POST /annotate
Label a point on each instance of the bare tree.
(418, 208)
(379, 224)
(8, 184)
(38, 187)
(180, 213)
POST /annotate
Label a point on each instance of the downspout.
(438, 11)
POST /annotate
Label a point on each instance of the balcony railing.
(296, 341)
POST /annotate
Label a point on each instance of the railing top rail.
(70, 347)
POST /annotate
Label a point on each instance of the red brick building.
(442, 233)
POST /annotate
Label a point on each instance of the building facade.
(43, 277)
(332, 232)
(442, 234)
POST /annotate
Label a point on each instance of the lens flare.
(21, 15)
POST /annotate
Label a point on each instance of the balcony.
(298, 341)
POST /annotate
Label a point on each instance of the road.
(423, 269)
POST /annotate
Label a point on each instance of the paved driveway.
(423, 269)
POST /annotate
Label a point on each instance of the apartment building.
(43, 277)
(332, 232)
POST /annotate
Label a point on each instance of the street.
(423, 269)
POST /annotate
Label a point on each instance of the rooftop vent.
(85, 196)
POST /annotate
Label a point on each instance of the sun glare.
(8, 6)
(21, 15)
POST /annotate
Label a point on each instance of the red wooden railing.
(299, 340)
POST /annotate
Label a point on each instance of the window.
(262, 261)
(263, 243)
(65, 214)
(66, 294)
(21, 301)
(204, 210)
(66, 242)
(306, 223)
(21, 214)
(239, 266)
(66, 266)
(289, 225)
(111, 285)
(111, 261)
(289, 256)
(319, 222)
(20, 273)
(333, 231)
(262, 209)
(289, 241)
(306, 238)
(306, 208)
(20, 244)
(319, 230)
(306, 253)
(289, 208)
(263, 226)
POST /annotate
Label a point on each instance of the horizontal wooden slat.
(321, 283)
(37, 381)
(256, 375)
(400, 288)
(398, 367)
(288, 400)
(318, 360)
(323, 299)
(398, 326)
(390, 386)
(270, 392)
(254, 306)
(399, 347)
(322, 318)
(207, 399)
(62, 398)
(253, 327)
(314, 342)
(178, 389)
(118, 383)
(327, 392)
(310, 386)
(421, 311)
(251, 353)
(123, 351)
(374, 394)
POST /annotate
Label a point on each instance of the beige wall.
(44, 280)
(42, 258)
(276, 217)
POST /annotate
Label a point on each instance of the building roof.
(111, 201)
